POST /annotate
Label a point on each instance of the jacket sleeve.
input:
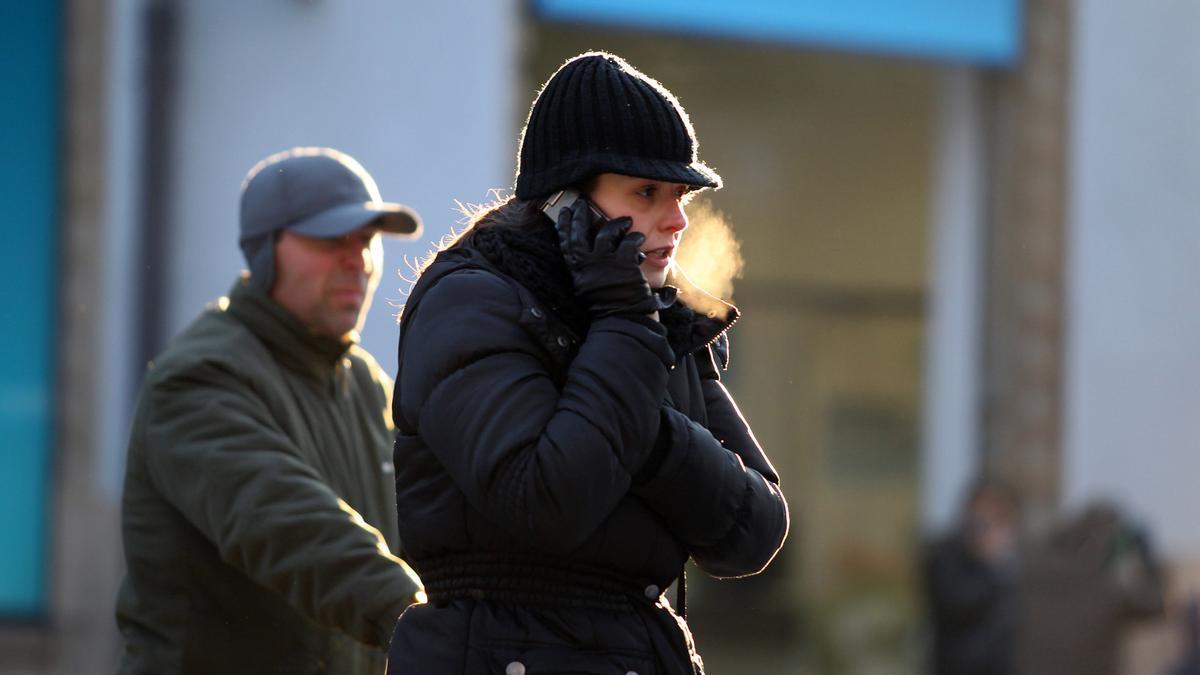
(545, 465)
(725, 420)
(215, 453)
(715, 488)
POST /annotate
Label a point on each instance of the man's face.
(327, 283)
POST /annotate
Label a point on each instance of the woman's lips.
(659, 257)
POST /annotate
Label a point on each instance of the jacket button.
(563, 341)
(515, 668)
(632, 672)
(537, 313)
(652, 592)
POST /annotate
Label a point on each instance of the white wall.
(950, 427)
(422, 93)
(116, 333)
(1133, 383)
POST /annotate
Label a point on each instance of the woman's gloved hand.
(605, 269)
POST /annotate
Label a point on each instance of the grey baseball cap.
(317, 192)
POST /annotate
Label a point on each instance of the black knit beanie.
(598, 114)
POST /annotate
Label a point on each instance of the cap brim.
(696, 175)
(391, 218)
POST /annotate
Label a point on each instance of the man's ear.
(260, 260)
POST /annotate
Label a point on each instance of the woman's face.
(656, 208)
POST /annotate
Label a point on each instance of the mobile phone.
(564, 198)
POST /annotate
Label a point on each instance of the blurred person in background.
(1082, 586)
(970, 581)
(564, 441)
(1189, 663)
(258, 478)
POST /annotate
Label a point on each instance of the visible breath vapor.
(710, 256)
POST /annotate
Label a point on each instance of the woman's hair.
(510, 212)
(503, 212)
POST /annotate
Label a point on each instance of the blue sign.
(30, 42)
(974, 31)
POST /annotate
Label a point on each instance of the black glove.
(605, 270)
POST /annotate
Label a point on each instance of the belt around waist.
(527, 580)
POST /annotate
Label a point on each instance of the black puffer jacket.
(552, 481)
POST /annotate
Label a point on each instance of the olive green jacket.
(258, 512)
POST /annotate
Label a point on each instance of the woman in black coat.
(564, 442)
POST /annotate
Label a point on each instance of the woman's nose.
(676, 220)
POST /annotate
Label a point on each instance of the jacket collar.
(291, 343)
(698, 318)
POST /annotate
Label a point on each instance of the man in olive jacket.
(259, 517)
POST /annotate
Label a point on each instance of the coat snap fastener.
(515, 668)
(537, 313)
(652, 592)
(563, 341)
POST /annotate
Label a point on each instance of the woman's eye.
(647, 191)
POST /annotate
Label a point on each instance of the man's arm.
(216, 454)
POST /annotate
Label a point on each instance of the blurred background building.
(970, 233)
